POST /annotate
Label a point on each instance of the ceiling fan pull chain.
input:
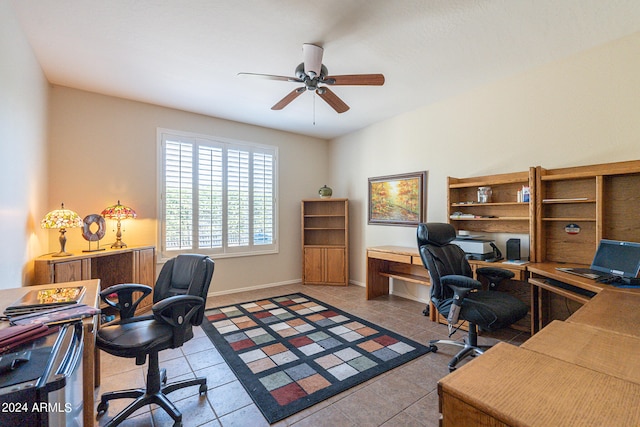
(314, 108)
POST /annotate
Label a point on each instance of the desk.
(579, 371)
(613, 309)
(605, 351)
(578, 290)
(512, 386)
(90, 360)
(404, 263)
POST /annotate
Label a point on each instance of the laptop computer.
(613, 258)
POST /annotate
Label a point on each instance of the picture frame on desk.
(398, 199)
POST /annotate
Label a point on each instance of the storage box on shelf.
(111, 266)
(325, 242)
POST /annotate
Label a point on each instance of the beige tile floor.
(405, 396)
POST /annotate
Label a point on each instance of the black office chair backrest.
(440, 256)
(188, 274)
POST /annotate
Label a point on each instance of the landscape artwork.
(398, 199)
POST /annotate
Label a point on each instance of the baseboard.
(265, 286)
(252, 288)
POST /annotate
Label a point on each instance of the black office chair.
(457, 296)
(179, 300)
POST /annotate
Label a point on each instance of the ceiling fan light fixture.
(312, 55)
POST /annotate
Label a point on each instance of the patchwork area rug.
(291, 352)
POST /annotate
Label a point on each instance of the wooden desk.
(613, 309)
(90, 361)
(511, 386)
(547, 282)
(605, 351)
(404, 263)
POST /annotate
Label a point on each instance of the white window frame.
(225, 144)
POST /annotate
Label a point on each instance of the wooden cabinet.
(111, 266)
(578, 206)
(325, 242)
(505, 213)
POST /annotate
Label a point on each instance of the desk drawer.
(405, 259)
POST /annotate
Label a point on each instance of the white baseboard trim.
(266, 285)
(251, 288)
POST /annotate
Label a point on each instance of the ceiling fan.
(315, 77)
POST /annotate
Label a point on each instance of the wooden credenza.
(111, 266)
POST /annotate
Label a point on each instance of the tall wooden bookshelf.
(325, 242)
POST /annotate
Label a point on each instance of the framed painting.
(398, 199)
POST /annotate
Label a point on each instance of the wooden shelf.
(570, 219)
(503, 214)
(501, 218)
(323, 228)
(479, 205)
(325, 242)
(413, 278)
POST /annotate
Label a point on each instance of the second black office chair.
(457, 296)
(179, 300)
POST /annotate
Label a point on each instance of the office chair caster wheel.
(433, 348)
(102, 407)
(452, 368)
(425, 312)
(202, 389)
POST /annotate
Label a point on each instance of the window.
(217, 196)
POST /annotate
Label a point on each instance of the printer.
(479, 249)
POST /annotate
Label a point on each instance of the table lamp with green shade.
(118, 212)
(61, 219)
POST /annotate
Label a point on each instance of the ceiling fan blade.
(333, 100)
(271, 77)
(312, 55)
(287, 99)
(356, 79)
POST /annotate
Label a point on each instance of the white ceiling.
(186, 54)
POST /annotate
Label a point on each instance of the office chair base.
(154, 393)
(468, 349)
(143, 398)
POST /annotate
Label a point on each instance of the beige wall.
(104, 148)
(23, 150)
(579, 111)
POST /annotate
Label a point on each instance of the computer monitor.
(617, 258)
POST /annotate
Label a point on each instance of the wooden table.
(90, 355)
(512, 386)
(613, 309)
(580, 371)
(609, 352)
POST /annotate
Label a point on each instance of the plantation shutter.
(178, 195)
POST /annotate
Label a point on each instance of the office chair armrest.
(498, 273)
(460, 281)
(178, 311)
(125, 304)
(461, 287)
